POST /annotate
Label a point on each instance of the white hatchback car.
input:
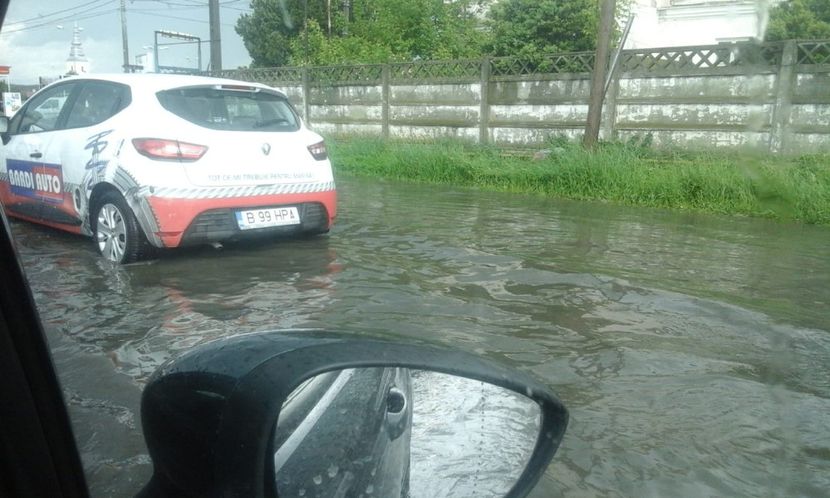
(143, 161)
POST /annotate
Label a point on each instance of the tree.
(531, 28)
(799, 19)
(268, 30)
(359, 31)
(326, 50)
(389, 30)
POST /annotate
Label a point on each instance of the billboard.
(11, 103)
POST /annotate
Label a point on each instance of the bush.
(629, 173)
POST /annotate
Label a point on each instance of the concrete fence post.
(783, 98)
(386, 76)
(306, 97)
(484, 111)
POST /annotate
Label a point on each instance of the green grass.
(740, 183)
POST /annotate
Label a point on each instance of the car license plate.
(270, 217)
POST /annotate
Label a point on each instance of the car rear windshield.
(232, 109)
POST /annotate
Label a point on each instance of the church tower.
(76, 63)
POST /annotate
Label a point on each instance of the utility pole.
(606, 23)
(305, 31)
(124, 36)
(215, 37)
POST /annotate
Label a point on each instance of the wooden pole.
(606, 23)
(124, 47)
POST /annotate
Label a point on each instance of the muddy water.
(693, 351)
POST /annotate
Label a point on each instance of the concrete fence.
(772, 97)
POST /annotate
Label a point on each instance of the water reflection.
(469, 439)
(245, 289)
(140, 315)
(397, 432)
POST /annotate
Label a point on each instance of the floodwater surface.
(692, 351)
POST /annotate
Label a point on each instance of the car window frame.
(125, 99)
(165, 96)
(17, 119)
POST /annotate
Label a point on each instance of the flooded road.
(692, 351)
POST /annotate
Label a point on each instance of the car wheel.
(117, 234)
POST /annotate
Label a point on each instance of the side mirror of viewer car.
(317, 413)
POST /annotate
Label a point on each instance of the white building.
(146, 61)
(76, 63)
(675, 23)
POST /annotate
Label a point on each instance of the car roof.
(155, 82)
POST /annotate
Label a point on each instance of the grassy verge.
(787, 188)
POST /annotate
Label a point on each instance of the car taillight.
(318, 151)
(157, 148)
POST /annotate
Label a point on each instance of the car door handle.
(36, 155)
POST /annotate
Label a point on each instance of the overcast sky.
(36, 36)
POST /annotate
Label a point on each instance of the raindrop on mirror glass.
(318, 479)
(333, 470)
(301, 492)
(370, 489)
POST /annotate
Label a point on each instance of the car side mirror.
(4, 129)
(317, 413)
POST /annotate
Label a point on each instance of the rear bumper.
(195, 221)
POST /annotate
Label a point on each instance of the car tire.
(117, 234)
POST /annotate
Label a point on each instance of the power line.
(41, 17)
(238, 9)
(195, 5)
(165, 10)
(156, 14)
(52, 22)
(192, 5)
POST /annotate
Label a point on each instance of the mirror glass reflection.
(393, 432)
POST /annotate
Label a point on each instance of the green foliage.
(358, 31)
(324, 50)
(268, 29)
(531, 28)
(799, 19)
(416, 29)
(631, 173)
